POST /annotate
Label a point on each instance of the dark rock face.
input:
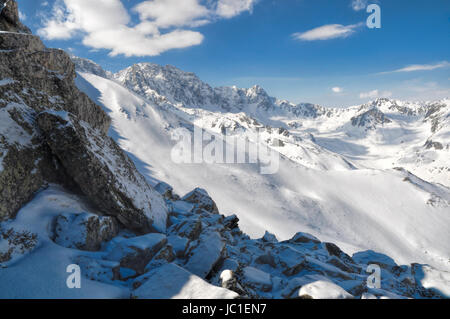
(9, 17)
(33, 80)
(103, 172)
(370, 119)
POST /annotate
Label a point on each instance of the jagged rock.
(334, 250)
(231, 222)
(291, 260)
(135, 253)
(256, 279)
(304, 238)
(33, 79)
(84, 231)
(207, 255)
(173, 282)
(164, 256)
(323, 290)
(190, 228)
(340, 264)
(9, 17)
(202, 200)
(179, 245)
(269, 238)
(103, 172)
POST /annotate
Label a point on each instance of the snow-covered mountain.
(336, 180)
(381, 134)
(86, 209)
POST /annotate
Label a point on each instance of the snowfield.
(385, 210)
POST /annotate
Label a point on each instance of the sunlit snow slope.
(390, 211)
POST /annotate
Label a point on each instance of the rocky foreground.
(145, 240)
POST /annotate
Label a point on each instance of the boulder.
(207, 255)
(103, 172)
(173, 282)
(190, 228)
(201, 199)
(84, 231)
(136, 252)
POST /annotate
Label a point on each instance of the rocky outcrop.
(32, 79)
(36, 148)
(103, 172)
(9, 17)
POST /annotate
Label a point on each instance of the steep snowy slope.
(388, 211)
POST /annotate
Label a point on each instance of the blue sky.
(318, 51)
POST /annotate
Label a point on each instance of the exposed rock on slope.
(34, 80)
(103, 172)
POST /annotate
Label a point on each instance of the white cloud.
(163, 24)
(420, 67)
(337, 89)
(231, 8)
(326, 32)
(359, 5)
(22, 16)
(374, 94)
(168, 13)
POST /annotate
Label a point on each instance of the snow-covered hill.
(336, 197)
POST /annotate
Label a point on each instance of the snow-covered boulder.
(371, 257)
(323, 289)
(103, 172)
(202, 200)
(84, 231)
(173, 282)
(136, 252)
(208, 253)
